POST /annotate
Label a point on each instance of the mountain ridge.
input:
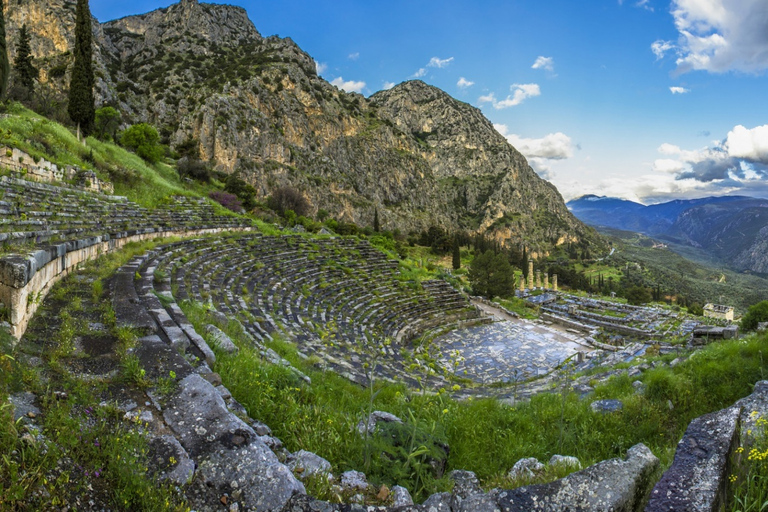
(734, 229)
(256, 107)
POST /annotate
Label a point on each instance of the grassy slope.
(695, 280)
(134, 178)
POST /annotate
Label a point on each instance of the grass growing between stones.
(484, 435)
(78, 447)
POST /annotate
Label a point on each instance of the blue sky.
(644, 99)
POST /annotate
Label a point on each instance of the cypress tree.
(81, 107)
(26, 73)
(376, 225)
(5, 66)
(456, 254)
(525, 263)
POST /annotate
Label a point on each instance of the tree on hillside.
(491, 275)
(5, 66)
(637, 295)
(107, 121)
(524, 264)
(376, 224)
(144, 140)
(242, 189)
(756, 314)
(26, 73)
(288, 198)
(81, 103)
(456, 253)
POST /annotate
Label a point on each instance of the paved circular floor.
(506, 351)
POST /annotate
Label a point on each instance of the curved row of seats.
(32, 212)
(337, 298)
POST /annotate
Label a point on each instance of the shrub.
(144, 140)
(755, 314)
(228, 201)
(288, 198)
(245, 192)
(193, 168)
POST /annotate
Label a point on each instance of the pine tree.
(456, 254)
(81, 103)
(26, 73)
(5, 66)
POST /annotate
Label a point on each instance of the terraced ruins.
(344, 304)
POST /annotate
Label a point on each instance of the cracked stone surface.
(507, 351)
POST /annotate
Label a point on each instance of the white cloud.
(644, 4)
(348, 86)
(436, 62)
(488, 98)
(750, 145)
(320, 67)
(679, 90)
(463, 83)
(540, 152)
(388, 85)
(660, 48)
(521, 92)
(353, 56)
(668, 165)
(420, 73)
(547, 63)
(554, 146)
(719, 36)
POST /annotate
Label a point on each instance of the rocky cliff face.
(257, 107)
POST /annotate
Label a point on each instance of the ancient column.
(538, 279)
(554, 282)
(530, 275)
(546, 281)
(522, 284)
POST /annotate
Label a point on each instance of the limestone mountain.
(257, 107)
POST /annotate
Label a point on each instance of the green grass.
(142, 183)
(486, 436)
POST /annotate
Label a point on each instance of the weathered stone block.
(698, 475)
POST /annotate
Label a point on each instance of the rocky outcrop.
(615, 484)
(698, 477)
(257, 107)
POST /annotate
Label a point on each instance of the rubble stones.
(306, 464)
(354, 481)
(221, 340)
(401, 497)
(565, 461)
(606, 406)
(526, 468)
(374, 419)
(618, 485)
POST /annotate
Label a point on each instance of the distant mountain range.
(732, 229)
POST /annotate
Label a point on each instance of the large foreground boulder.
(231, 458)
(612, 485)
(697, 478)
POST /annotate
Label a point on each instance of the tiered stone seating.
(37, 213)
(46, 230)
(336, 297)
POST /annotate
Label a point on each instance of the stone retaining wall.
(23, 164)
(26, 279)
